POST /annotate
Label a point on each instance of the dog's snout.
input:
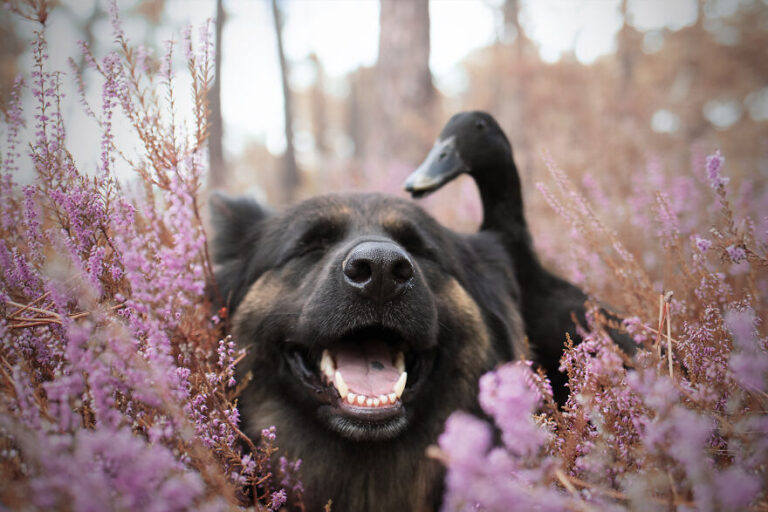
(380, 271)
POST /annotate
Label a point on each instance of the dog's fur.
(281, 277)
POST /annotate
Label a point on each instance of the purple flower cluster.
(748, 362)
(113, 394)
(682, 424)
(518, 473)
(714, 166)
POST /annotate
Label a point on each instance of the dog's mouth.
(364, 381)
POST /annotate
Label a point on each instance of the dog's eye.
(413, 242)
(317, 238)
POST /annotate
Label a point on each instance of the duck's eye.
(480, 125)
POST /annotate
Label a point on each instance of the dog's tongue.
(367, 368)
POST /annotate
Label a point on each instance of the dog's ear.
(237, 222)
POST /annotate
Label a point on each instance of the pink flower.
(714, 165)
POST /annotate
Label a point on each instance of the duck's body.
(473, 143)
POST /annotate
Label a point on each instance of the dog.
(366, 325)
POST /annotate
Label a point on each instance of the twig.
(240, 433)
(434, 452)
(239, 358)
(605, 492)
(51, 318)
(36, 310)
(35, 319)
(654, 331)
(563, 478)
(8, 375)
(23, 309)
(667, 300)
(661, 324)
(32, 324)
(672, 486)
(620, 495)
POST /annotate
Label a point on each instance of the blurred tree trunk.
(510, 10)
(629, 42)
(11, 46)
(218, 170)
(515, 112)
(354, 120)
(290, 178)
(319, 107)
(405, 91)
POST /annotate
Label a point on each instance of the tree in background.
(291, 179)
(10, 47)
(319, 107)
(217, 174)
(405, 93)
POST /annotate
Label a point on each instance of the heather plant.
(680, 426)
(117, 387)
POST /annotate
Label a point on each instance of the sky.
(344, 34)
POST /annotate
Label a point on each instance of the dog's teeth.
(376, 402)
(369, 402)
(338, 380)
(351, 398)
(400, 384)
(392, 397)
(326, 365)
(360, 399)
(400, 362)
(383, 399)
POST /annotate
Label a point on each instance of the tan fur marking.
(471, 317)
(344, 210)
(260, 297)
(469, 312)
(392, 220)
(520, 341)
(338, 212)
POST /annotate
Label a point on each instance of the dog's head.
(360, 312)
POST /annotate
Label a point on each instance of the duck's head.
(472, 143)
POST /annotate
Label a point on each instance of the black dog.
(367, 323)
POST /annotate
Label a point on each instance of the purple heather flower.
(702, 244)
(278, 499)
(114, 18)
(465, 438)
(714, 166)
(634, 326)
(749, 360)
(668, 222)
(509, 397)
(736, 253)
(736, 489)
(269, 434)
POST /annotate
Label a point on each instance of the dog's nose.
(379, 271)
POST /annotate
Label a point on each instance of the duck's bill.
(442, 164)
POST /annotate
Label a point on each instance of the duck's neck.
(503, 213)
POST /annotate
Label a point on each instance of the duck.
(473, 143)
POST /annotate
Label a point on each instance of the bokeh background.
(317, 96)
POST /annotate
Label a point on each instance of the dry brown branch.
(49, 317)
